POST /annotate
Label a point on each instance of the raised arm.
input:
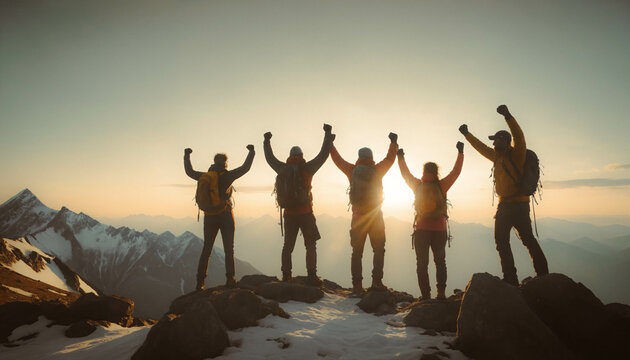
(383, 166)
(243, 169)
(342, 164)
(195, 175)
(520, 148)
(449, 179)
(482, 148)
(319, 160)
(275, 164)
(404, 171)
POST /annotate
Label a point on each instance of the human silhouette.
(223, 217)
(430, 227)
(293, 191)
(513, 208)
(366, 197)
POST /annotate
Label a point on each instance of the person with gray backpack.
(516, 178)
(366, 197)
(295, 201)
(214, 198)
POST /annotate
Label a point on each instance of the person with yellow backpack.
(430, 224)
(214, 198)
(516, 177)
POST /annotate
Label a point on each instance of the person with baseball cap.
(513, 208)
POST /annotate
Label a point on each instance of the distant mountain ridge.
(150, 269)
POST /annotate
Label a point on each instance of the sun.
(396, 191)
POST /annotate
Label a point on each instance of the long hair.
(431, 168)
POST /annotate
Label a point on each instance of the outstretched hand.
(460, 147)
(463, 129)
(250, 147)
(400, 152)
(267, 135)
(187, 151)
(503, 110)
(393, 137)
(327, 128)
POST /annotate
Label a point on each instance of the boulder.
(621, 310)
(196, 333)
(251, 282)
(495, 322)
(283, 292)
(58, 312)
(440, 315)
(115, 309)
(81, 328)
(136, 322)
(15, 314)
(577, 317)
(379, 302)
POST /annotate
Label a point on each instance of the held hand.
(393, 137)
(400, 152)
(460, 147)
(503, 110)
(187, 151)
(327, 128)
(267, 135)
(250, 147)
(463, 129)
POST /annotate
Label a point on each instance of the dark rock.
(196, 333)
(621, 310)
(136, 322)
(15, 314)
(251, 282)
(7, 257)
(58, 312)
(379, 302)
(283, 292)
(36, 261)
(81, 328)
(495, 322)
(115, 309)
(577, 317)
(438, 315)
(402, 297)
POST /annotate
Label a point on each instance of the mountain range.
(152, 269)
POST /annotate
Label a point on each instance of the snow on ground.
(85, 287)
(332, 328)
(50, 274)
(16, 290)
(52, 242)
(114, 342)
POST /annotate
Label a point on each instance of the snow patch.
(50, 274)
(53, 243)
(18, 291)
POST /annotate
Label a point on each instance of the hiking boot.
(425, 296)
(357, 289)
(441, 293)
(200, 287)
(378, 285)
(287, 278)
(230, 282)
(314, 280)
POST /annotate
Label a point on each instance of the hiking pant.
(516, 215)
(292, 224)
(436, 240)
(361, 226)
(211, 226)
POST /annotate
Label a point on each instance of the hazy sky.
(98, 99)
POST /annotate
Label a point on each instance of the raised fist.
(400, 152)
(460, 147)
(393, 137)
(267, 135)
(187, 151)
(463, 129)
(503, 110)
(250, 147)
(332, 137)
(327, 128)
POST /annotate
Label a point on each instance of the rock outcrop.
(439, 315)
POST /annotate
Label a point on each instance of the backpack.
(365, 189)
(208, 197)
(529, 181)
(430, 202)
(290, 189)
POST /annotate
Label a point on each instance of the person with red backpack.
(294, 197)
(366, 197)
(513, 166)
(214, 197)
(430, 227)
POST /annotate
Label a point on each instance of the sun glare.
(396, 191)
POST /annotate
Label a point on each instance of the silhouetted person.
(366, 197)
(221, 219)
(293, 192)
(513, 209)
(430, 230)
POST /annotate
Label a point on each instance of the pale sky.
(98, 99)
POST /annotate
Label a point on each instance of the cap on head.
(365, 153)
(296, 151)
(501, 135)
